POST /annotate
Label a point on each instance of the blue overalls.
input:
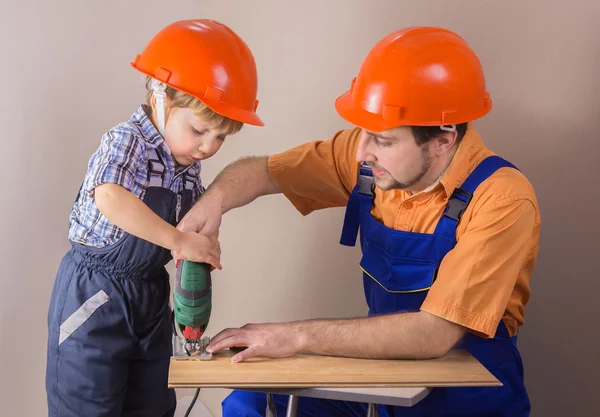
(110, 323)
(398, 269)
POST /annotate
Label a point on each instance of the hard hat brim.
(350, 112)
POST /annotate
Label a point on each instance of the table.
(398, 397)
(335, 377)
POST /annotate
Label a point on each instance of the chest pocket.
(397, 274)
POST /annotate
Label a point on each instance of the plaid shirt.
(122, 158)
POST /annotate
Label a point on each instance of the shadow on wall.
(560, 157)
(298, 259)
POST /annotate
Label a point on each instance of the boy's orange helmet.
(421, 76)
(207, 60)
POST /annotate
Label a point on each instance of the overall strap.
(156, 169)
(190, 177)
(361, 198)
(461, 197)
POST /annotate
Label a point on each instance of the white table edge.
(399, 397)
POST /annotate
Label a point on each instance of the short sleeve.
(116, 161)
(318, 174)
(477, 277)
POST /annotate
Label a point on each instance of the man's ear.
(444, 142)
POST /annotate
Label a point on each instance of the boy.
(109, 322)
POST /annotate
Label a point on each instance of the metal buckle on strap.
(366, 182)
(153, 170)
(189, 179)
(456, 206)
(156, 173)
(156, 169)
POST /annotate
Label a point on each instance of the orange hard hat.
(419, 76)
(207, 60)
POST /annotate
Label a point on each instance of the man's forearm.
(241, 182)
(398, 336)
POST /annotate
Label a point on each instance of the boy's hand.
(204, 217)
(198, 248)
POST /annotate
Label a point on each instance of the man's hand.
(270, 340)
(204, 217)
(198, 248)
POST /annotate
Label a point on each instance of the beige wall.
(65, 80)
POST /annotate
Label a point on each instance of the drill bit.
(196, 348)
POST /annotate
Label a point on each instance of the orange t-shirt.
(485, 278)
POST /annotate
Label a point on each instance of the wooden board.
(458, 368)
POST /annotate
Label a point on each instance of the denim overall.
(110, 323)
(398, 270)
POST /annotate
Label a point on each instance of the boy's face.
(190, 138)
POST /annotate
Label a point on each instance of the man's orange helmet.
(420, 76)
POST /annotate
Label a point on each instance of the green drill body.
(192, 298)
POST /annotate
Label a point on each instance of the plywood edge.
(333, 385)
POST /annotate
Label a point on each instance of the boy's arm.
(129, 213)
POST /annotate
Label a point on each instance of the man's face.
(396, 159)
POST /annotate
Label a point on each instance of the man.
(449, 231)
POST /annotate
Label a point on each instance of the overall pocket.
(397, 274)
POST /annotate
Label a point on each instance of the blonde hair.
(179, 99)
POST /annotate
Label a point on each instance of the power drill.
(192, 304)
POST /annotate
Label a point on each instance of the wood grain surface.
(457, 368)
